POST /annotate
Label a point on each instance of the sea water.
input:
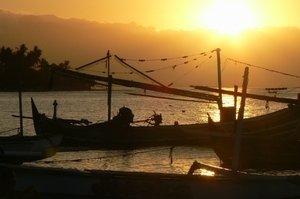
(92, 105)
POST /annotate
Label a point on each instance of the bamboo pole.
(239, 129)
(248, 95)
(130, 83)
(219, 77)
(109, 89)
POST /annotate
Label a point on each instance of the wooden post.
(21, 112)
(235, 96)
(108, 63)
(109, 85)
(239, 129)
(109, 90)
(55, 110)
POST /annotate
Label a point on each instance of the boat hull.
(97, 136)
(17, 150)
(66, 183)
(267, 142)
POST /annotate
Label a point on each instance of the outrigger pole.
(141, 73)
(249, 95)
(130, 83)
(81, 67)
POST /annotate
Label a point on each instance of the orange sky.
(224, 16)
(168, 14)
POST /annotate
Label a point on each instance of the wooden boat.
(119, 134)
(71, 183)
(269, 141)
(17, 150)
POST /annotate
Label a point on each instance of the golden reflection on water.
(228, 100)
(92, 106)
(206, 172)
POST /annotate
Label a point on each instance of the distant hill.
(80, 42)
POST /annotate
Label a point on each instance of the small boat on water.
(118, 133)
(17, 150)
(71, 183)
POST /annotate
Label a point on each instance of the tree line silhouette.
(26, 70)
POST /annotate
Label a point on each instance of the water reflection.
(93, 106)
(155, 159)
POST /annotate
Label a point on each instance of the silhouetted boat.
(269, 141)
(119, 134)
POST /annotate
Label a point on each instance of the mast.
(109, 84)
(220, 103)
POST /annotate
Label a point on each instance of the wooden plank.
(248, 95)
(169, 98)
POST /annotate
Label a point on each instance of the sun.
(228, 17)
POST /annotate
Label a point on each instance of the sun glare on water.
(228, 17)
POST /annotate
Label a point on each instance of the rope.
(190, 71)
(9, 130)
(104, 157)
(122, 62)
(14, 129)
(291, 89)
(166, 59)
(270, 70)
(174, 66)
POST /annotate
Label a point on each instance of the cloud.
(81, 41)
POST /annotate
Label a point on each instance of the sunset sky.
(264, 33)
(226, 16)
